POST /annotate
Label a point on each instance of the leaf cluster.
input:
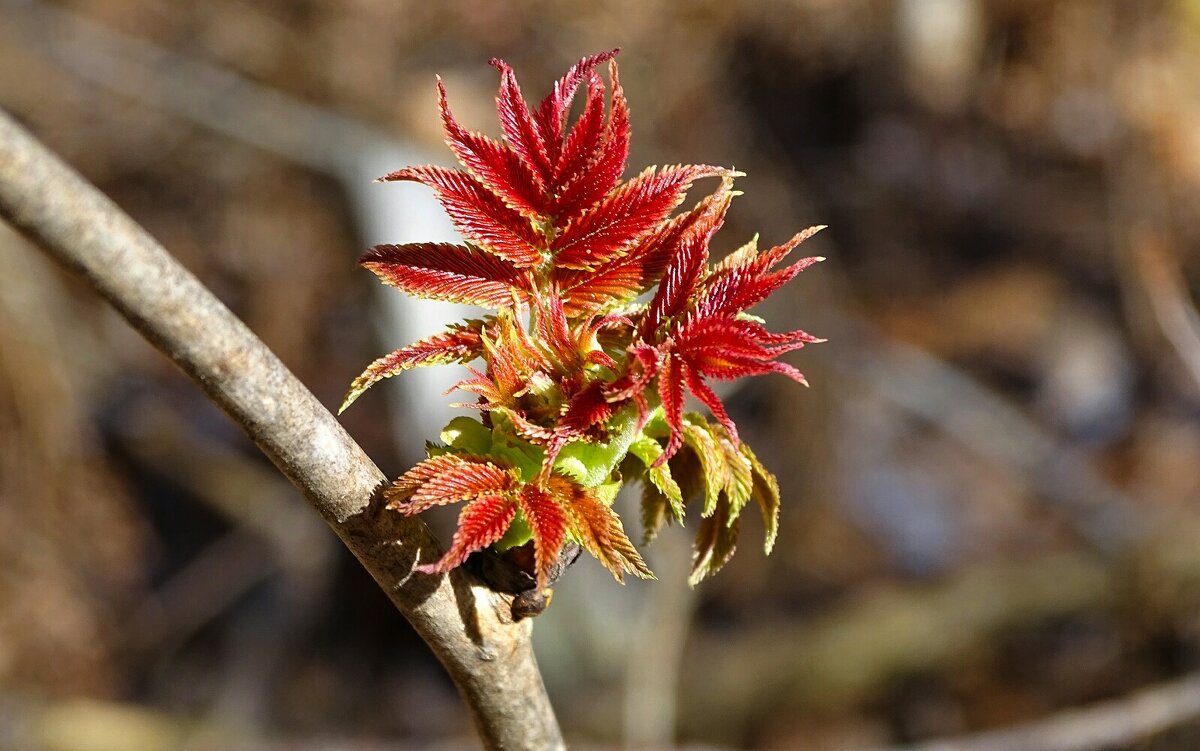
(606, 312)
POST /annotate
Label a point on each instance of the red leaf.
(555, 334)
(631, 211)
(633, 273)
(401, 492)
(599, 529)
(733, 367)
(552, 112)
(441, 271)
(522, 133)
(480, 384)
(738, 336)
(741, 286)
(688, 262)
(479, 215)
(585, 138)
(495, 164)
(727, 348)
(549, 525)
(710, 399)
(720, 336)
(482, 522)
(670, 390)
(460, 342)
(512, 358)
(463, 482)
(587, 408)
(602, 174)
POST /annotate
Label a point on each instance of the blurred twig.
(201, 92)
(488, 657)
(891, 629)
(1111, 725)
(1166, 290)
(990, 426)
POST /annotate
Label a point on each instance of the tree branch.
(467, 626)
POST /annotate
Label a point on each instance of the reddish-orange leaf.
(520, 130)
(460, 342)
(400, 493)
(552, 112)
(587, 408)
(705, 394)
(603, 172)
(635, 272)
(687, 263)
(482, 522)
(479, 214)
(481, 385)
(670, 390)
(741, 286)
(465, 481)
(495, 164)
(549, 525)
(585, 138)
(441, 271)
(555, 333)
(631, 211)
(739, 367)
(599, 530)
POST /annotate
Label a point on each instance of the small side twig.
(467, 626)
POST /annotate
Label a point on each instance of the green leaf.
(698, 436)
(506, 445)
(716, 541)
(518, 534)
(649, 450)
(607, 493)
(654, 512)
(468, 435)
(766, 495)
(591, 464)
(656, 424)
(740, 481)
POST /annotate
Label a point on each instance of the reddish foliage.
(552, 236)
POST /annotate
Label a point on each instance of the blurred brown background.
(991, 493)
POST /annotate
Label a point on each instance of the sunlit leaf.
(687, 263)
(520, 130)
(495, 164)
(480, 215)
(766, 495)
(712, 459)
(659, 475)
(548, 523)
(467, 435)
(598, 529)
(441, 271)
(482, 522)
(741, 481)
(602, 174)
(551, 114)
(447, 478)
(630, 211)
(460, 342)
(716, 541)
